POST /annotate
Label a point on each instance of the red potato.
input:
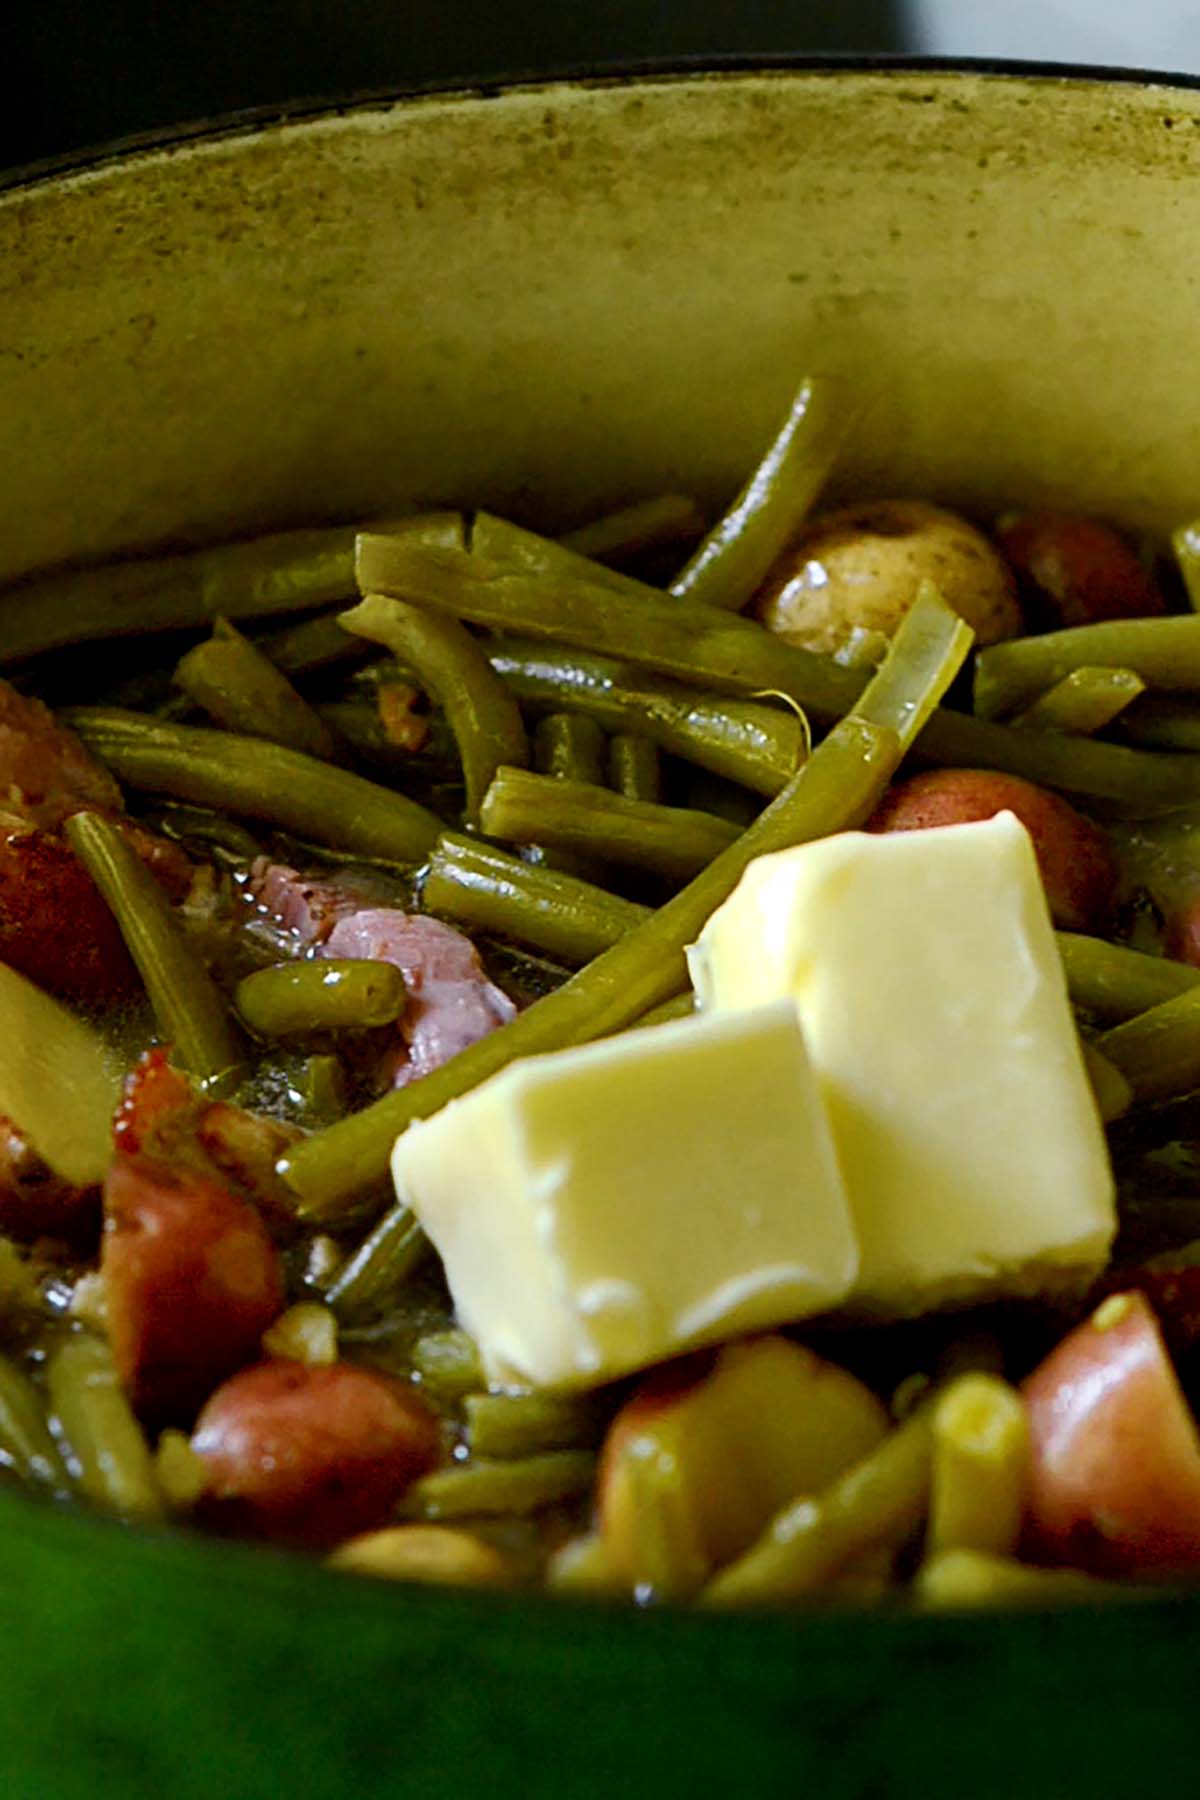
(1181, 937)
(309, 1454)
(1077, 571)
(191, 1281)
(1077, 862)
(55, 927)
(1115, 1481)
(34, 1201)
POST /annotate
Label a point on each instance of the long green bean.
(452, 668)
(731, 562)
(971, 1578)
(1161, 722)
(835, 790)
(1114, 983)
(505, 1488)
(382, 1263)
(240, 689)
(742, 740)
(488, 890)
(257, 780)
(1164, 653)
(108, 1455)
(1086, 700)
(729, 654)
(1158, 1051)
(674, 841)
(633, 767)
(191, 1014)
(569, 747)
(26, 1444)
(655, 524)
(333, 994)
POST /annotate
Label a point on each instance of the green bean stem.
(325, 995)
(1158, 1051)
(633, 767)
(656, 524)
(1114, 983)
(837, 789)
(1163, 653)
(724, 653)
(109, 1455)
(240, 689)
(190, 1012)
(257, 780)
(1085, 701)
(730, 564)
(453, 669)
(488, 890)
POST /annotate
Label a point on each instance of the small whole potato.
(1074, 571)
(859, 568)
(1077, 862)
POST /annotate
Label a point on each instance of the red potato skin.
(1115, 1482)
(1076, 571)
(309, 1455)
(191, 1281)
(1181, 938)
(1077, 862)
(54, 925)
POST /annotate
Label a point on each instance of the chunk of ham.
(451, 1003)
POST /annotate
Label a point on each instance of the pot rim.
(249, 121)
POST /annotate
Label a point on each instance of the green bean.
(257, 780)
(742, 740)
(488, 890)
(453, 670)
(1186, 544)
(1086, 700)
(655, 524)
(26, 1443)
(682, 1006)
(971, 1578)
(980, 1466)
(108, 1455)
(1158, 1051)
(569, 747)
(330, 994)
(239, 688)
(1114, 983)
(674, 841)
(383, 1261)
(59, 1082)
(497, 540)
(320, 1089)
(1164, 653)
(1113, 1094)
(1161, 722)
(503, 1488)
(880, 1501)
(633, 767)
(664, 1556)
(190, 1012)
(730, 564)
(449, 1361)
(508, 1425)
(836, 789)
(721, 652)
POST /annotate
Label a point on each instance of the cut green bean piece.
(569, 747)
(905, 693)
(730, 564)
(190, 1012)
(453, 669)
(742, 740)
(449, 1361)
(724, 653)
(634, 768)
(881, 1501)
(500, 1488)
(256, 780)
(681, 1007)
(655, 524)
(1186, 544)
(1160, 722)
(59, 1081)
(969, 1579)
(836, 790)
(507, 1425)
(320, 1088)
(1112, 1092)
(329, 994)
(1158, 1052)
(382, 1263)
(1114, 983)
(1085, 701)
(107, 1452)
(488, 890)
(26, 1443)
(1163, 653)
(673, 841)
(981, 1466)
(240, 689)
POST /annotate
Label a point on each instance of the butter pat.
(924, 968)
(602, 1208)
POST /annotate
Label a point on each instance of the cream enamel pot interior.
(549, 299)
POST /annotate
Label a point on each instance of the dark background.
(82, 72)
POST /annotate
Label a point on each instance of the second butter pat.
(925, 971)
(603, 1208)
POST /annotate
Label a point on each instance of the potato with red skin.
(1181, 935)
(859, 569)
(55, 927)
(310, 1454)
(191, 1282)
(1074, 571)
(1077, 863)
(1115, 1478)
